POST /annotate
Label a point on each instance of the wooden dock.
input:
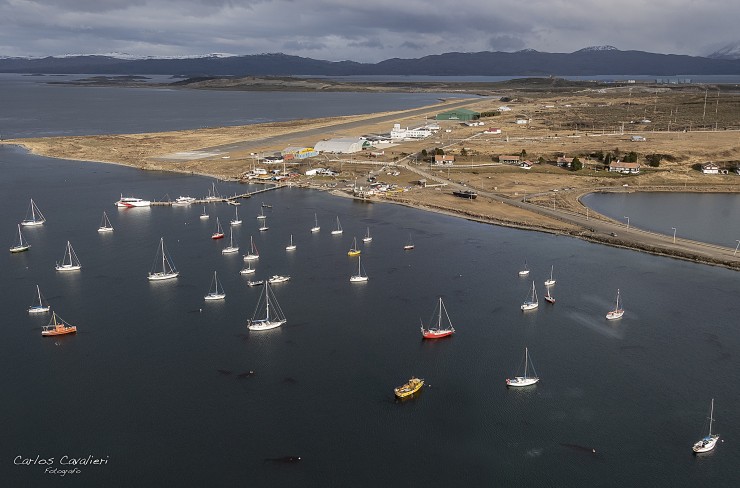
(230, 200)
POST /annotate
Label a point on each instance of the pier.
(232, 200)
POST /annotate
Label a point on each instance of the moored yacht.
(130, 202)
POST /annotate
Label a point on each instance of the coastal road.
(321, 132)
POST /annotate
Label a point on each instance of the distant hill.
(599, 60)
(730, 51)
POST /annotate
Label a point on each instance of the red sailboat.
(438, 328)
(219, 234)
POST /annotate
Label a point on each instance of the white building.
(315, 171)
(504, 108)
(397, 133)
(710, 168)
(344, 145)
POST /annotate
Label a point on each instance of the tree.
(576, 164)
(424, 154)
(524, 153)
(541, 160)
(653, 160)
(463, 152)
(439, 151)
(630, 157)
(608, 158)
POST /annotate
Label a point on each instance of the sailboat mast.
(526, 361)
(164, 269)
(711, 417)
(267, 302)
(39, 293)
(439, 317)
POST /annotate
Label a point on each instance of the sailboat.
(22, 245)
(338, 230)
(236, 220)
(263, 227)
(69, 261)
(353, 251)
(440, 327)
(617, 312)
(359, 277)
(409, 244)
(315, 227)
(213, 193)
(525, 270)
(291, 246)
(531, 302)
(525, 380)
(548, 295)
(248, 270)
(219, 234)
(162, 269)
(253, 252)
(262, 215)
(105, 224)
(367, 237)
(216, 291)
(707, 443)
(204, 215)
(58, 326)
(231, 248)
(36, 217)
(273, 316)
(551, 281)
(42, 306)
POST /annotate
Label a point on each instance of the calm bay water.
(706, 217)
(151, 381)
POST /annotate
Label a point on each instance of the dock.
(232, 200)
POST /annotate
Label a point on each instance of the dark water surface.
(154, 381)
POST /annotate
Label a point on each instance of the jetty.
(232, 200)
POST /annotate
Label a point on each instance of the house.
(624, 168)
(315, 171)
(522, 120)
(444, 160)
(509, 159)
(297, 152)
(637, 139)
(710, 168)
(504, 108)
(492, 130)
(564, 162)
(397, 133)
(526, 164)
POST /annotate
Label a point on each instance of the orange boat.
(219, 234)
(58, 326)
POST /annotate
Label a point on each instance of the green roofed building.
(459, 114)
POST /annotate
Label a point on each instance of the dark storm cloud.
(365, 31)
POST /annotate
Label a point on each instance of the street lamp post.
(674, 234)
(628, 221)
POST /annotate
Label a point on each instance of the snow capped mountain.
(730, 51)
(597, 48)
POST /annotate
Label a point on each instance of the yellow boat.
(409, 388)
(353, 251)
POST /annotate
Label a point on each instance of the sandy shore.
(507, 195)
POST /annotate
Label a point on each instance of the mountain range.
(596, 60)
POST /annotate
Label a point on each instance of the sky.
(361, 30)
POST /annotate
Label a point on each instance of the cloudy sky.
(361, 30)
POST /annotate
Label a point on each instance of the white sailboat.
(236, 220)
(291, 246)
(162, 268)
(278, 279)
(213, 194)
(409, 244)
(216, 291)
(551, 281)
(253, 252)
(272, 317)
(524, 380)
(35, 217)
(359, 277)
(707, 443)
(262, 215)
(617, 312)
(438, 328)
(524, 271)
(248, 270)
(231, 248)
(204, 215)
(367, 237)
(105, 225)
(41, 306)
(531, 302)
(338, 230)
(263, 227)
(315, 227)
(22, 244)
(70, 262)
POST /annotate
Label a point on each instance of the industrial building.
(458, 114)
(344, 145)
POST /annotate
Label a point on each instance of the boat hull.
(19, 248)
(549, 282)
(521, 381)
(353, 253)
(61, 330)
(706, 444)
(549, 299)
(529, 306)
(67, 267)
(251, 257)
(247, 271)
(215, 296)
(367, 239)
(217, 235)
(38, 309)
(105, 229)
(357, 279)
(265, 324)
(614, 314)
(336, 232)
(409, 388)
(408, 247)
(436, 334)
(32, 223)
(315, 229)
(523, 273)
(162, 276)
(229, 250)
